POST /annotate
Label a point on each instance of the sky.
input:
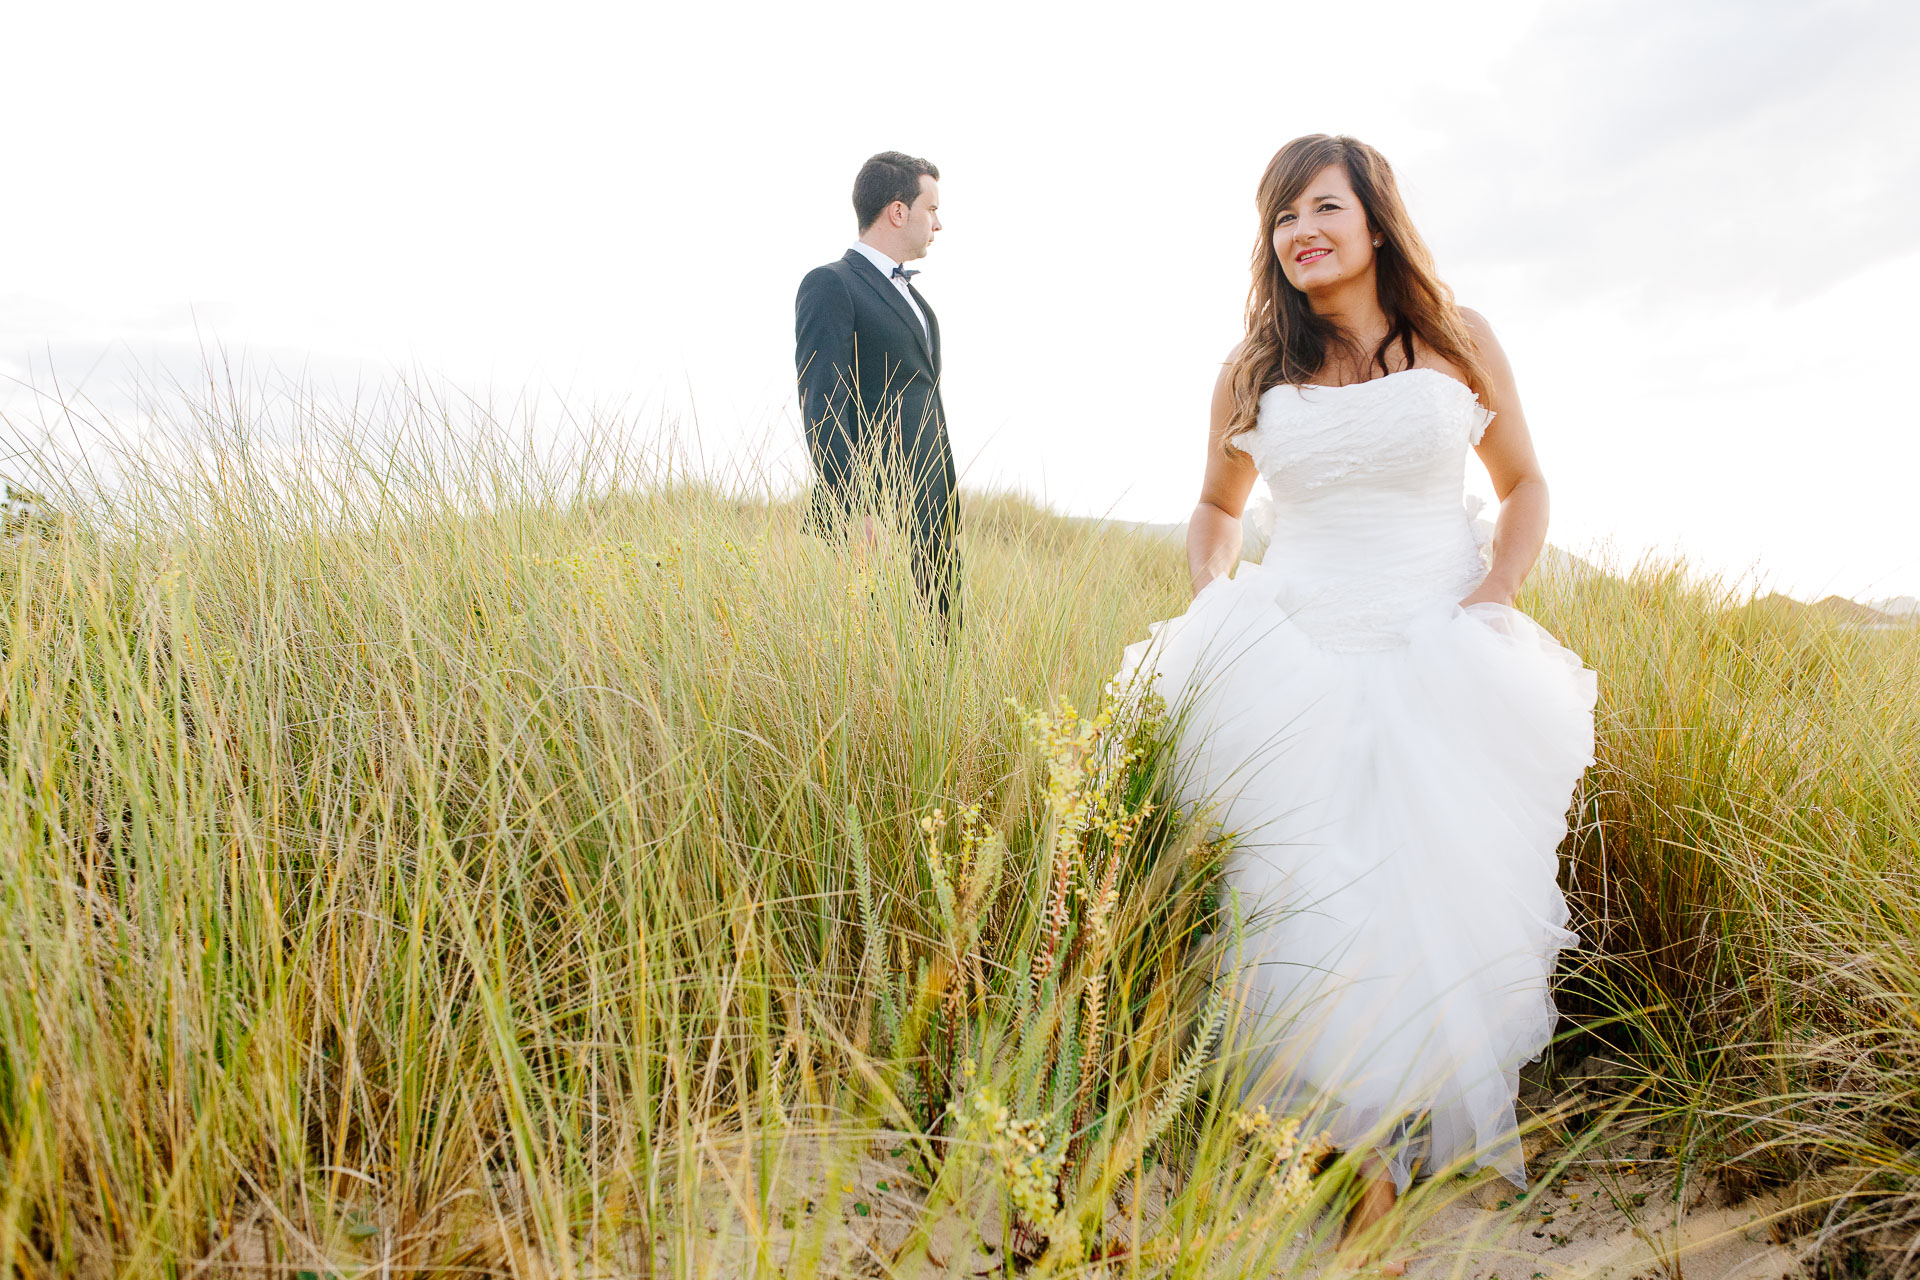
(1695, 225)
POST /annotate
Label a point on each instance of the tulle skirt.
(1397, 811)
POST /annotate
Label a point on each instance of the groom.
(867, 350)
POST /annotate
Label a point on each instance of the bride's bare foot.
(1365, 1218)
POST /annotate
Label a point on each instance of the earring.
(1376, 242)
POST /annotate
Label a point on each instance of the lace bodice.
(1402, 424)
(1369, 525)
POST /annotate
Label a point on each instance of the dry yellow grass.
(433, 863)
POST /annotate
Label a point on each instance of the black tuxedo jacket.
(870, 396)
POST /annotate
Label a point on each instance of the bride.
(1393, 744)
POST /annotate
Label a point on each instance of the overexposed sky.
(1695, 224)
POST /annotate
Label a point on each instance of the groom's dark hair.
(884, 178)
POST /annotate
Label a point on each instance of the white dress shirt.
(886, 266)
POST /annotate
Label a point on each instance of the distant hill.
(1841, 609)
(1838, 609)
(1566, 564)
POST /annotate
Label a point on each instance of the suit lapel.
(882, 286)
(933, 325)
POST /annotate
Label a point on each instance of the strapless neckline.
(1343, 386)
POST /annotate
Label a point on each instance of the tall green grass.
(438, 863)
(1746, 861)
(423, 859)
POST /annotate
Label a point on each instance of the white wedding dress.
(1396, 770)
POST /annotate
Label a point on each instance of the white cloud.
(1737, 150)
(1690, 222)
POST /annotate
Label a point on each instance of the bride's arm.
(1507, 451)
(1213, 531)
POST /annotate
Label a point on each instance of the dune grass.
(434, 862)
(442, 865)
(1747, 863)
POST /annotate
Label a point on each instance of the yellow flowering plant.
(1056, 1067)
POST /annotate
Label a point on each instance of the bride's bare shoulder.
(1223, 383)
(1224, 412)
(1486, 343)
(1480, 329)
(1479, 333)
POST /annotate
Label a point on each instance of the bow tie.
(901, 273)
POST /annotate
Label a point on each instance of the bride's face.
(1322, 237)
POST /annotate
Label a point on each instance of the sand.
(1622, 1212)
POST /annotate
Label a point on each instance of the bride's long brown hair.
(1286, 342)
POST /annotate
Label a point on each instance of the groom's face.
(923, 219)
